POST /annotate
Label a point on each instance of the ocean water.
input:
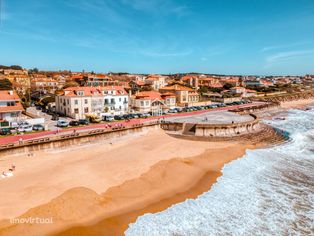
(267, 192)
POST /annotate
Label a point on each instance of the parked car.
(74, 123)
(128, 116)
(107, 118)
(179, 109)
(25, 128)
(23, 123)
(5, 131)
(83, 122)
(172, 111)
(145, 115)
(135, 116)
(13, 130)
(62, 123)
(118, 117)
(38, 127)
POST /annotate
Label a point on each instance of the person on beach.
(12, 168)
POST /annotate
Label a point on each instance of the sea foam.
(267, 192)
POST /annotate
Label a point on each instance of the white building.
(75, 102)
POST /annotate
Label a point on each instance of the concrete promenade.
(45, 134)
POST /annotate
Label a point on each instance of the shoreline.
(170, 181)
(153, 191)
(206, 177)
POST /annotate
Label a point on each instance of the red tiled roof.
(93, 91)
(152, 95)
(6, 96)
(177, 87)
(17, 107)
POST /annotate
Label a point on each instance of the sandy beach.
(101, 188)
(302, 103)
(108, 184)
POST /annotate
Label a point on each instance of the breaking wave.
(267, 192)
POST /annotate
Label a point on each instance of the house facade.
(156, 81)
(75, 102)
(152, 101)
(185, 96)
(10, 107)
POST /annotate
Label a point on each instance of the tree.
(5, 84)
(203, 89)
(33, 71)
(227, 86)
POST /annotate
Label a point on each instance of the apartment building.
(10, 106)
(75, 102)
(45, 84)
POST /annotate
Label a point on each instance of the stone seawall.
(213, 130)
(63, 141)
(227, 130)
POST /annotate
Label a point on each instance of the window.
(119, 99)
(142, 103)
(68, 101)
(86, 110)
(86, 101)
(76, 110)
(106, 101)
(147, 103)
(76, 102)
(112, 101)
(9, 104)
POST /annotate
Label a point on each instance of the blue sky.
(160, 36)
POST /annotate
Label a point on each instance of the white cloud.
(288, 55)
(276, 47)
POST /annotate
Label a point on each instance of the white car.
(25, 128)
(62, 123)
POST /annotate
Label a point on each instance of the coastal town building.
(185, 96)
(155, 81)
(136, 85)
(191, 80)
(10, 107)
(97, 80)
(76, 102)
(45, 84)
(152, 101)
(243, 92)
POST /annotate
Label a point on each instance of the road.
(16, 138)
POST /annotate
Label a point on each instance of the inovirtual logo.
(31, 220)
